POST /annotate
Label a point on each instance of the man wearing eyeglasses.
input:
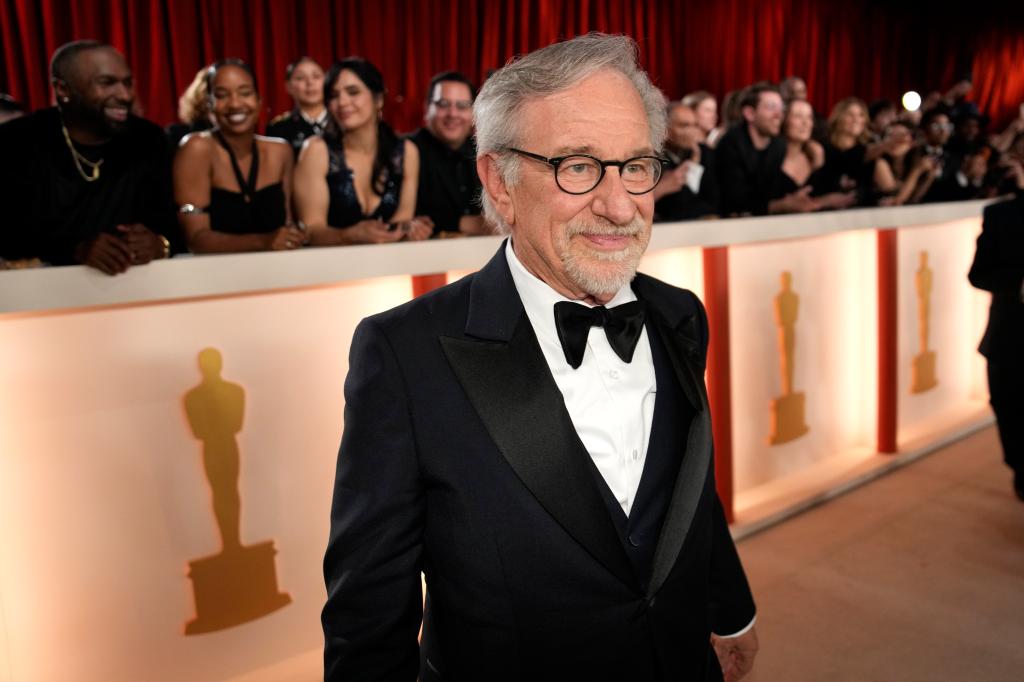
(448, 183)
(535, 438)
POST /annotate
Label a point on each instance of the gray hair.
(550, 70)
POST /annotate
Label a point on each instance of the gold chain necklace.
(94, 166)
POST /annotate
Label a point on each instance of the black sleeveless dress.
(250, 211)
(344, 209)
(231, 213)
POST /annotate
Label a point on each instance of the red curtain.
(841, 48)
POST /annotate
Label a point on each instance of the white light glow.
(911, 101)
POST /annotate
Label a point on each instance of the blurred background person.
(304, 81)
(357, 184)
(232, 186)
(705, 108)
(749, 154)
(792, 184)
(86, 181)
(936, 129)
(846, 167)
(881, 113)
(899, 177)
(193, 111)
(687, 189)
(448, 184)
(10, 108)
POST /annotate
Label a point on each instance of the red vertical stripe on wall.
(888, 330)
(716, 300)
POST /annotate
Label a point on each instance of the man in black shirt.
(750, 152)
(304, 80)
(449, 188)
(86, 181)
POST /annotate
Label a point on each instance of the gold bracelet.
(167, 246)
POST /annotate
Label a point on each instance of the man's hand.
(143, 244)
(107, 253)
(736, 654)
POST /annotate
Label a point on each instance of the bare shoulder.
(273, 145)
(314, 150)
(197, 142)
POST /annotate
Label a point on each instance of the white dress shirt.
(610, 402)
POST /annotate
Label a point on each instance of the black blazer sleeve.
(996, 267)
(732, 604)
(373, 559)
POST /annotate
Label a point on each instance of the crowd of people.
(90, 182)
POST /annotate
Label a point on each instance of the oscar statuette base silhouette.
(923, 372)
(787, 414)
(234, 587)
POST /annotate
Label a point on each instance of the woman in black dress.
(795, 183)
(846, 151)
(357, 184)
(232, 186)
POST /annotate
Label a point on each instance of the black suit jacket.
(999, 267)
(745, 172)
(459, 459)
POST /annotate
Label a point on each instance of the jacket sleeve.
(732, 604)
(991, 270)
(372, 564)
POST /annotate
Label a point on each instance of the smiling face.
(100, 90)
(236, 104)
(799, 122)
(450, 113)
(853, 120)
(586, 245)
(352, 104)
(306, 84)
(766, 117)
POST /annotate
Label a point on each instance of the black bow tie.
(622, 325)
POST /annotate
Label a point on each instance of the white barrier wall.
(104, 499)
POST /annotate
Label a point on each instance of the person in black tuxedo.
(751, 152)
(999, 267)
(554, 483)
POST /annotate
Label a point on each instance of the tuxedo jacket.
(999, 267)
(460, 460)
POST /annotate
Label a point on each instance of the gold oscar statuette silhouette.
(788, 409)
(923, 370)
(239, 584)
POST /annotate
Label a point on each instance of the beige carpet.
(918, 576)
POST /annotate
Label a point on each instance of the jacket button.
(633, 541)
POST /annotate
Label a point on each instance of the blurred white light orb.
(911, 101)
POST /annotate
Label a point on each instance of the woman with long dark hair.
(232, 186)
(357, 185)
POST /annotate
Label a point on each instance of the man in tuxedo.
(999, 267)
(554, 482)
(751, 152)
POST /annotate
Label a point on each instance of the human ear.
(494, 184)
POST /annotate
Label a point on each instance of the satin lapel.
(697, 457)
(507, 380)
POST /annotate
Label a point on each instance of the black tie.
(622, 325)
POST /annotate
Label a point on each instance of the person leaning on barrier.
(357, 184)
(86, 181)
(448, 185)
(232, 186)
(553, 482)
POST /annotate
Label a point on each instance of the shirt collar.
(539, 299)
(319, 121)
